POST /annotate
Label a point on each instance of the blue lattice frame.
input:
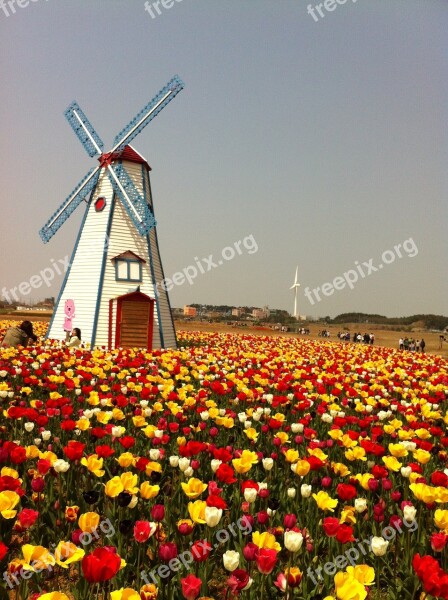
(138, 201)
(175, 85)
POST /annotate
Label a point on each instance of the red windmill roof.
(129, 153)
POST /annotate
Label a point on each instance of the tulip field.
(235, 467)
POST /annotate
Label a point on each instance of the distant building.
(190, 311)
(260, 313)
(238, 312)
(214, 314)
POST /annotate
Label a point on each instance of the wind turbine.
(295, 286)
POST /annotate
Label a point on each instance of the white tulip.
(250, 495)
(409, 513)
(174, 461)
(61, 466)
(379, 546)
(29, 426)
(405, 471)
(291, 492)
(305, 490)
(212, 515)
(46, 435)
(268, 463)
(360, 505)
(215, 463)
(231, 560)
(293, 540)
(184, 463)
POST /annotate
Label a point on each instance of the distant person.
(422, 345)
(401, 344)
(19, 336)
(75, 338)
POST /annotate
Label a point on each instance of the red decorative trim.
(109, 336)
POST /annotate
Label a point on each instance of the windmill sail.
(82, 190)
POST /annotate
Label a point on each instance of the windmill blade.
(84, 130)
(70, 204)
(133, 202)
(151, 110)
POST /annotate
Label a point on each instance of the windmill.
(114, 289)
(295, 286)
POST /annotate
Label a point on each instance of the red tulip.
(250, 551)
(266, 560)
(158, 512)
(143, 531)
(438, 541)
(330, 525)
(201, 550)
(27, 517)
(344, 534)
(3, 551)
(101, 565)
(74, 450)
(37, 484)
(289, 521)
(167, 551)
(239, 580)
(191, 587)
(346, 492)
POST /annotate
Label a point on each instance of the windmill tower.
(295, 286)
(114, 288)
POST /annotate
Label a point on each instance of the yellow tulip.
(67, 553)
(89, 521)
(113, 487)
(8, 501)
(148, 491)
(324, 501)
(441, 519)
(54, 596)
(292, 455)
(94, 464)
(362, 573)
(126, 459)
(266, 540)
(392, 464)
(422, 456)
(36, 558)
(251, 433)
(356, 453)
(194, 487)
(125, 594)
(348, 588)
(302, 468)
(397, 450)
(130, 482)
(196, 510)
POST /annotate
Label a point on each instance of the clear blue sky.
(326, 141)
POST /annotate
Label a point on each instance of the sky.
(314, 138)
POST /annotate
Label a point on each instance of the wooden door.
(135, 328)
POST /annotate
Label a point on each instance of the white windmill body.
(295, 286)
(115, 279)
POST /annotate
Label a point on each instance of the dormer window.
(128, 267)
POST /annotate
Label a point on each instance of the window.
(128, 270)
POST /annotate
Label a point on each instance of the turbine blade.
(84, 130)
